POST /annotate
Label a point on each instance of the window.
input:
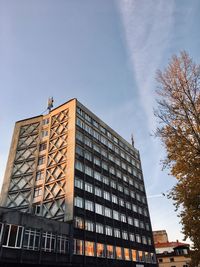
(79, 151)
(144, 240)
(41, 160)
(37, 209)
(112, 170)
(100, 250)
(138, 238)
(79, 166)
(96, 135)
(125, 235)
(87, 117)
(97, 176)
(98, 209)
(88, 142)
(104, 153)
(160, 260)
(89, 226)
(104, 165)
(79, 123)
(147, 227)
(128, 205)
(115, 215)
(123, 166)
(126, 191)
(117, 161)
(113, 184)
(88, 171)
(79, 136)
(88, 187)
(109, 252)
(132, 194)
(13, 236)
(140, 255)
(130, 220)
(132, 237)
(114, 199)
(134, 254)
(39, 175)
(123, 218)
(117, 233)
(48, 242)
(106, 195)
(102, 129)
(96, 148)
(88, 155)
(120, 188)
(108, 230)
(99, 228)
(78, 247)
(78, 183)
(127, 254)
(142, 224)
(44, 133)
(108, 212)
(97, 161)
(171, 259)
(31, 239)
(95, 123)
(79, 222)
(121, 202)
(118, 174)
(98, 192)
(62, 244)
(111, 157)
(149, 241)
(43, 146)
(136, 222)
(105, 180)
(37, 191)
(78, 202)
(45, 121)
(89, 248)
(134, 207)
(89, 205)
(118, 253)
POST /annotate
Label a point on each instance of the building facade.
(71, 167)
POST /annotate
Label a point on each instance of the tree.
(178, 114)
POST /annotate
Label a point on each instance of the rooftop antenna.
(50, 103)
(132, 140)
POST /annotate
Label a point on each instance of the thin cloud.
(147, 27)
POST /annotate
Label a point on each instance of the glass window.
(112, 170)
(117, 233)
(78, 183)
(97, 161)
(132, 237)
(114, 199)
(98, 209)
(95, 123)
(109, 252)
(132, 193)
(37, 191)
(126, 191)
(79, 123)
(120, 188)
(43, 146)
(144, 240)
(138, 238)
(111, 157)
(105, 180)
(31, 239)
(89, 226)
(89, 248)
(149, 241)
(136, 222)
(79, 136)
(88, 187)
(45, 121)
(108, 212)
(125, 235)
(117, 161)
(104, 165)
(44, 133)
(13, 236)
(123, 218)
(106, 195)
(123, 166)
(89, 205)
(88, 171)
(88, 155)
(147, 227)
(121, 202)
(96, 148)
(88, 142)
(103, 130)
(100, 250)
(104, 153)
(134, 207)
(98, 192)
(142, 224)
(79, 150)
(116, 215)
(118, 253)
(78, 247)
(99, 228)
(118, 174)
(88, 129)
(79, 222)
(62, 244)
(128, 205)
(134, 255)
(141, 256)
(41, 160)
(130, 220)
(108, 230)
(96, 135)
(97, 176)
(110, 145)
(48, 242)
(39, 175)
(87, 117)
(113, 184)
(127, 254)
(79, 166)
(125, 178)
(78, 202)
(117, 150)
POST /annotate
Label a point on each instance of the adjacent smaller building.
(170, 254)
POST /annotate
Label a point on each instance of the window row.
(98, 126)
(93, 249)
(100, 138)
(110, 231)
(107, 212)
(98, 176)
(15, 236)
(108, 196)
(99, 162)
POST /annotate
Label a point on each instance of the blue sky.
(105, 53)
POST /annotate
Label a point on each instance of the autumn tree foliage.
(178, 114)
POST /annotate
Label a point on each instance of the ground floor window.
(78, 247)
(31, 239)
(13, 236)
(48, 242)
(89, 248)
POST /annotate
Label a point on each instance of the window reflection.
(100, 250)
(89, 248)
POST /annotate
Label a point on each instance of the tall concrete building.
(71, 167)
